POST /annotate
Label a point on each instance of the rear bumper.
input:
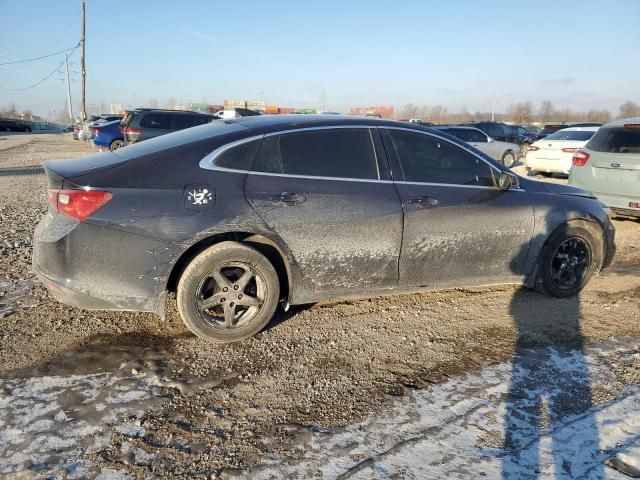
(619, 202)
(100, 268)
(559, 165)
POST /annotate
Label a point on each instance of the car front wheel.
(228, 292)
(572, 255)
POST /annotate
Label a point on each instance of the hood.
(561, 189)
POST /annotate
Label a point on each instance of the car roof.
(269, 123)
(164, 110)
(622, 122)
(579, 129)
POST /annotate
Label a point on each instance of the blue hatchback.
(108, 136)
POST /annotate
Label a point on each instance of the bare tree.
(409, 111)
(629, 109)
(521, 112)
(546, 111)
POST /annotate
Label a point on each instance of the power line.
(45, 78)
(40, 58)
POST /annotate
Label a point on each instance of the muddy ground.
(217, 410)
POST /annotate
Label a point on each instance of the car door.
(480, 140)
(154, 125)
(322, 191)
(459, 229)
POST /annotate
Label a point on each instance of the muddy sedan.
(240, 215)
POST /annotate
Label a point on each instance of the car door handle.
(423, 201)
(288, 198)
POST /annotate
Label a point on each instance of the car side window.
(477, 136)
(156, 120)
(340, 152)
(239, 157)
(428, 159)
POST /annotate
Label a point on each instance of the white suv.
(609, 166)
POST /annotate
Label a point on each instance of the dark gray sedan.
(238, 215)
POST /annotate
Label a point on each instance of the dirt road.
(128, 394)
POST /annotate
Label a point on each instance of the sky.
(336, 54)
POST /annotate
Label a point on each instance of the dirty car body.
(368, 226)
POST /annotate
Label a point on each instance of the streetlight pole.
(83, 110)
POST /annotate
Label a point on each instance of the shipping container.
(286, 110)
(231, 104)
(271, 108)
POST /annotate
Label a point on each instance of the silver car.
(504, 152)
(609, 166)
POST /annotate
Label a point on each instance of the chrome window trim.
(208, 161)
(315, 177)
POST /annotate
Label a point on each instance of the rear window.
(552, 128)
(616, 140)
(156, 120)
(577, 135)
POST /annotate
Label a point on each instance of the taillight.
(533, 148)
(136, 131)
(580, 158)
(78, 204)
(632, 125)
(569, 150)
(95, 131)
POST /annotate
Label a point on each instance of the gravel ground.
(227, 407)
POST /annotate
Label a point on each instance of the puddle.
(456, 429)
(55, 415)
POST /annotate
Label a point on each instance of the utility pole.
(83, 111)
(66, 64)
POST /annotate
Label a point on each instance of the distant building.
(385, 111)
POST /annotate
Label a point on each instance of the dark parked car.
(144, 123)
(239, 215)
(14, 126)
(550, 128)
(496, 130)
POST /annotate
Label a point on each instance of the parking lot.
(359, 389)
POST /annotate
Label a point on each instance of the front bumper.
(100, 268)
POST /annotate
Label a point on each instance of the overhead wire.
(40, 58)
(45, 78)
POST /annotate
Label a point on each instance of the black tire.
(232, 260)
(116, 144)
(555, 281)
(509, 159)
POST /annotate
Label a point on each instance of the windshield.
(577, 135)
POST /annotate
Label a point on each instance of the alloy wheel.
(569, 262)
(231, 295)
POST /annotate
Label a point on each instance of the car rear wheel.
(228, 292)
(116, 144)
(572, 255)
(508, 159)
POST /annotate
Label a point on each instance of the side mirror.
(490, 139)
(507, 181)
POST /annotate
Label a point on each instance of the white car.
(504, 152)
(609, 166)
(553, 153)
